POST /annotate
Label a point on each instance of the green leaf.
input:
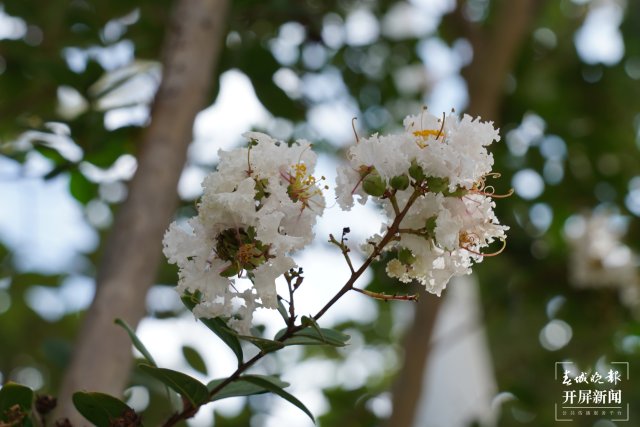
(186, 386)
(280, 392)
(194, 359)
(80, 187)
(15, 394)
(263, 344)
(218, 326)
(315, 336)
(283, 310)
(99, 408)
(241, 387)
(136, 342)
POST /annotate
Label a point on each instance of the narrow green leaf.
(194, 359)
(312, 336)
(15, 394)
(99, 408)
(219, 327)
(280, 392)
(283, 311)
(136, 342)
(241, 387)
(186, 386)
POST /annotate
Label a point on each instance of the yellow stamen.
(302, 187)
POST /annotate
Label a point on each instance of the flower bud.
(416, 172)
(437, 185)
(373, 184)
(400, 182)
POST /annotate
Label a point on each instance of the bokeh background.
(560, 78)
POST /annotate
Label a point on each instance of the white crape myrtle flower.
(258, 207)
(445, 160)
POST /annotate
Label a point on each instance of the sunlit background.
(77, 91)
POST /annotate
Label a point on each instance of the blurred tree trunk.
(495, 50)
(102, 355)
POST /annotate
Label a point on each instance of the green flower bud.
(400, 182)
(438, 185)
(373, 184)
(416, 172)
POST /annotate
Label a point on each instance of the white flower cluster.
(440, 166)
(257, 208)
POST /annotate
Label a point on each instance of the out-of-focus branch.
(494, 53)
(102, 357)
(495, 49)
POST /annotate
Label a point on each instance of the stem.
(189, 410)
(394, 203)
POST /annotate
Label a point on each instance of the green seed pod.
(416, 172)
(406, 257)
(373, 184)
(438, 185)
(400, 182)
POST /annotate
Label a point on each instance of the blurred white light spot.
(541, 216)
(362, 28)
(380, 405)
(189, 186)
(599, 38)
(288, 80)
(333, 31)
(632, 67)
(553, 147)
(332, 120)
(11, 27)
(44, 226)
(545, 37)
(314, 55)
(46, 302)
(70, 103)
(138, 397)
(554, 305)
(122, 169)
(219, 126)
(77, 293)
(163, 299)
(555, 335)
(98, 214)
(575, 226)
(405, 20)
(28, 376)
(136, 115)
(5, 301)
(113, 192)
(553, 172)
(528, 184)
